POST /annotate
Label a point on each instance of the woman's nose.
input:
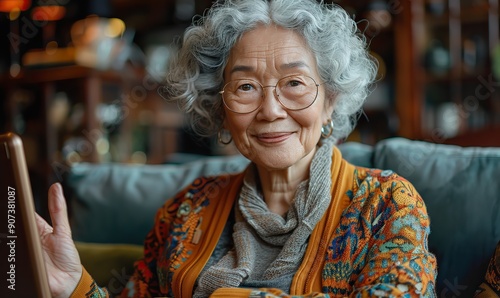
(271, 108)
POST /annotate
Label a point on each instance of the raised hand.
(62, 261)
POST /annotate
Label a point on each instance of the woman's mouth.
(270, 138)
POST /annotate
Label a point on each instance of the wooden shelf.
(454, 27)
(68, 72)
(87, 91)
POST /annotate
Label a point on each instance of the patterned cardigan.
(371, 242)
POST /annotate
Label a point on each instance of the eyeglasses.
(296, 92)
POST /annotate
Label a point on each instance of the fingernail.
(57, 186)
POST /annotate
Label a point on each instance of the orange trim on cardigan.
(83, 286)
(308, 277)
(87, 287)
(215, 217)
(231, 292)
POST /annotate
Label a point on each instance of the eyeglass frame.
(277, 96)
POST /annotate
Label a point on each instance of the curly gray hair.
(196, 73)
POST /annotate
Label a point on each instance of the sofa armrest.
(111, 265)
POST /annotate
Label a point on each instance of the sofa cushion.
(357, 153)
(461, 189)
(110, 265)
(116, 203)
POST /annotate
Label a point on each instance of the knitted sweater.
(372, 242)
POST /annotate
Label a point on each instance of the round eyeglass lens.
(296, 92)
(242, 96)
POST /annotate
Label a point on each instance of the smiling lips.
(274, 137)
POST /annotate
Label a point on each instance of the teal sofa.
(112, 206)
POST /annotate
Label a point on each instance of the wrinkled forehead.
(270, 45)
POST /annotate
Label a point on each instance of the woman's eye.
(246, 87)
(294, 83)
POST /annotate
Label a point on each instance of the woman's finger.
(58, 211)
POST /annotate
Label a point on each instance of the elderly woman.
(283, 80)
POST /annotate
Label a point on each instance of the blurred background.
(78, 79)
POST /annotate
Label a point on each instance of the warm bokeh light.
(51, 47)
(15, 69)
(14, 14)
(10, 5)
(48, 13)
(115, 28)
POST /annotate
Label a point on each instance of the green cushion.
(111, 265)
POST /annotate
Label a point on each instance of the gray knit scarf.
(268, 249)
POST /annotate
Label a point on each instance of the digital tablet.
(22, 269)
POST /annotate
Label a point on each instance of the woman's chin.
(275, 161)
